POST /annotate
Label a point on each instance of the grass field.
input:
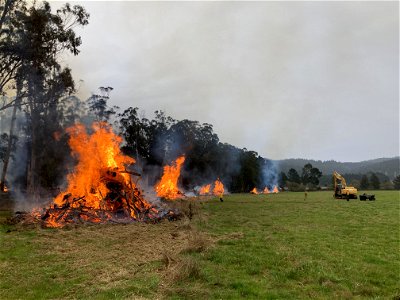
(250, 246)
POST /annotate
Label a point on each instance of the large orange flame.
(218, 188)
(266, 190)
(99, 188)
(254, 191)
(275, 190)
(205, 190)
(167, 187)
(99, 157)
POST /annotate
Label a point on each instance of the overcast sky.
(287, 79)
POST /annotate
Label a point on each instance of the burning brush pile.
(167, 187)
(101, 188)
(218, 189)
(275, 190)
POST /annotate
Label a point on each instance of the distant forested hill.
(388, 166)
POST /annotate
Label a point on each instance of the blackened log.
(132, 173)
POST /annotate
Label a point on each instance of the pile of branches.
(122, 204)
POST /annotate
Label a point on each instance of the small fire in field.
(254, 191)
(100, 189)
(218, 188)
(266, 190)
(275, 190)
(205, 189)
(167, 187)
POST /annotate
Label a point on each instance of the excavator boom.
(339, 177)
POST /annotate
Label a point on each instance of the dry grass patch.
(130, 244)
(129, 260)
(198, 242)
(94, 259)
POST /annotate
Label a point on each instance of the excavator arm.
(339, 177)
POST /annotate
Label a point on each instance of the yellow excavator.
(342, 190)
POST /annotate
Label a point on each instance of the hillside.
(387, 166)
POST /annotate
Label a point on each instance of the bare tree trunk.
(32, 187)
(9, 146)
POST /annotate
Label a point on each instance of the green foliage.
(374, 181)
(387, 185)
(295, 187)
(364, 184)
(282, 179)
(310, 175)
(293, 176)
(98, 105)
(249, 176)
(396, 182)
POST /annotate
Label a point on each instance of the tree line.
(307, 180)
(154, 142)
(311, 178)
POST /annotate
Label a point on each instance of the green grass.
(289, 247)
(265, 247)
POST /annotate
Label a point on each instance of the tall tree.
(375, 182)
(135, 131)
(41, 36)
(310, 175)
(293, 176)
(282, 179)
(98, 105)
(364, 183)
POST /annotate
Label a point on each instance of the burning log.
(132, 173)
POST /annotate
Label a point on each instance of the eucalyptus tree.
(35, 39)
